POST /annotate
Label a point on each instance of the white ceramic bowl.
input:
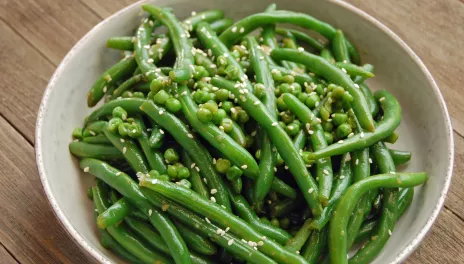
(425, 128)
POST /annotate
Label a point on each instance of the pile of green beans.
(215, 145)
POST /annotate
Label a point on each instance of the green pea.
(173, 105)
(232, 73)
(150, 95)
(325, 114)
(138, 95)
(234, 112)
(236, 54)
(77, 133)
(296, 89)
(319, 89)
(183, 173)
(233, 173)
(288, 79)
(222, 95)
(344, 130)
(119, 112)
(275, 222)
(161, 97)
(327, 126)
(281, 104)
(127, 94)
(287, 117)
(338, 92)
(200, 97)
(199, 72)
(243, 52)
(154, 174)
(171, 156)
(211, 106)
(339, 118)
(293, 129)
(243, 116)
(123, 129)
(276, 75)
(134, 131)
(282, 125)
(222, 165)
(347, 97)
(184, 183)
(312, 100)
(156, 85)
(227, 124)
(172, 171)
(202, 85)
(259, 90)
(308, 157)
(204, 115)
(302, 97)
(331, 87)
(219, 116)
(227, 105)
(328, 137)
(284, 223)
(221, 61)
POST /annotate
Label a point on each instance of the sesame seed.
(274, 124)
(214, 160)
(356, 85)
(260, 243)
(154, 181)
(389, 232)
(198, 169)
(357, 161)
(381, 99)
(286, 167)
(203, 16)
(244, 167)
(311, 190)
(124, 149)
(207, 220)
(105, 89)
(242, 30)
(205, 180)
(146, 46)
(253, 133)
(340, 141)
(189, 135)
(342, 177)
(92, 133)
(218, 231)
(300, 49)
(350, 135)
(343, 70)
(310, 132)
(234, 29)
(230, 242)
(122, 140)
(213, 191)
(275, 169)
(193, 165)
(212, 199)
(392, 172)
(86, 169)
(362, 134)
(161, 112)
(150, 212)
(370, 160)
(326, 172)
(118, 173)
(298, 252)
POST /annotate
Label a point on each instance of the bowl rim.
(400, 257)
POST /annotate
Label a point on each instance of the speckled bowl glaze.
(425, 128)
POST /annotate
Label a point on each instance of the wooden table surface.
(36, 34)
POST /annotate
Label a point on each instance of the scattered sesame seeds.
(86, 169)
(230, 242)
(213, 191)
(124, 149)
(311, 190)
(274, 124)
(244, 167)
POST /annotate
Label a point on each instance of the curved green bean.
(198, 185)
(154, 157)
(339, 48)
(314, 248)
(220, 25)
(196, 242)
(97, 151)
(131, 105)
(296, 243)
(301, 36)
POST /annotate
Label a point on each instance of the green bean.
(131, 105)
(196, 242)
(324, 172)
(314, 248)
(98, 139)
(354, 70)
(114, 74)
(93, 128)
(127, 187)
(299, 141)
(206, 228)
(130, 150)
(342, 182)
(213, 15)
(268, 155)
(300, 78)
(236, 185)
(400, 157)
(244, 211)
(126, 85)
(123, 237)
(284, 207)
(202, 60)
(197, 184)
(181, 44)
(339, 48)
(389, 212)
(107, 241)
(297, 242)
(237, 134)
(361, 79)
(280, 139)
(339, 221)
(330, 72)
(156, 136)
(219, 26)
(289, 41)
(216, 213)
(196, 151)
(301, 36)
(120, 43)
(252, 22)
(327, 55)
(154, 157)
(114, 214)
(268, 34)
(98, 151)
(217, 138)
(210, 40)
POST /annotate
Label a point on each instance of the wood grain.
(28, 227)
(5, 257)
(36, 34)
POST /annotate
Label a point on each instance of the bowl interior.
(424, 130)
